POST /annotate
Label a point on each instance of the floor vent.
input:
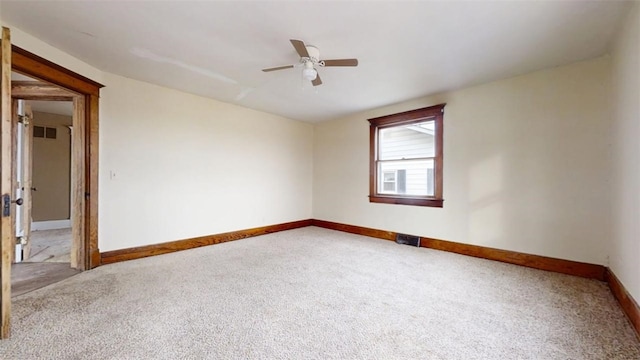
(408, 240)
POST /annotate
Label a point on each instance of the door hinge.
(6, 205)
(24, 119)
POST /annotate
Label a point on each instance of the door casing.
(85, 96)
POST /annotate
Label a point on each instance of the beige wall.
(175, 166)
(51, 169)
(525, 166)
(625, 194)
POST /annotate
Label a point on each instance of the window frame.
(436, 113)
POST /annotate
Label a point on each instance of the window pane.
(418, 178)
(388, 182)
(389, 176)
(407, 141)
(389, 187)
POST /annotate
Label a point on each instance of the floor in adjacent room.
(48, 263)
(50, 245)
(28, 276)
(314, 293)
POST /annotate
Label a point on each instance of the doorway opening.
(51, 226)
(49, 243)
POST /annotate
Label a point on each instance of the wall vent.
(45, 132)
(408, 240)
(38, 131)
(51, 133)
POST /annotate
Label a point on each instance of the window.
(406, 158)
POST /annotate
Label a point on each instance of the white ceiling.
(52, 107)
(406, 50)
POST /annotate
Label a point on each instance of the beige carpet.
(318, 294)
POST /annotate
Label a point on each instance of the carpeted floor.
(313, 293)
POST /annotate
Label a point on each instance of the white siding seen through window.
(407, 153)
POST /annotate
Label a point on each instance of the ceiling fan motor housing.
(314, 53)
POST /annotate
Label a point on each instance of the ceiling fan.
(310, 58)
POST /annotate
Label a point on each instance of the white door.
(24, 180)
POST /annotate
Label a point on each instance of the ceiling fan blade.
(300, 48)
(341, 62)
(317, 81)
(277, 68)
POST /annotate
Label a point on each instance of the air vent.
(408, 240)
(45, 132)
(38, 131)
(51, 133)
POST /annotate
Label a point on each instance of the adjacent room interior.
(47, 259)
(315, 153)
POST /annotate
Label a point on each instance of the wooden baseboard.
(585, 270)
(569, 267)
(627, 302)
(110, 257)
(95, 259)
(358, 230)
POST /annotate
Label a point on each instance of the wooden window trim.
(435, 112)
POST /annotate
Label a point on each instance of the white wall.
(187, 166)
(625, 197)
(525, 166)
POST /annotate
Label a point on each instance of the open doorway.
(51, 232)
(48, 244)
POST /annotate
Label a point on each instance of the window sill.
(406, 201)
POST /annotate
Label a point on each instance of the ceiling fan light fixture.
(309, 73)
(310, 58)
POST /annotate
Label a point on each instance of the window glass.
(418, 177)
(407, 141)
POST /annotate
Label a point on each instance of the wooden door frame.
(38, 90)
(7, 226)
(86, 102)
